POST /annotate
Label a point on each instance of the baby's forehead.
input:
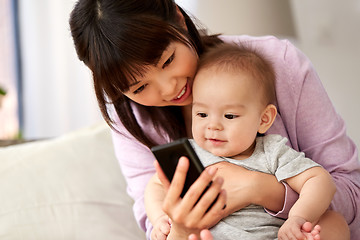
(223, 74)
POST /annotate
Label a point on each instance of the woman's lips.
(183, 94)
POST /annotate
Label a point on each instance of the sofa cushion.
(70, 187)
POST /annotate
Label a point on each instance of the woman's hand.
(189, 214)
(244, 187)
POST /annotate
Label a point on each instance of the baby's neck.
(245, 154)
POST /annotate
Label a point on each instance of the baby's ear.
(267, 118)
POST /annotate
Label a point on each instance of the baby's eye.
(140, 89)
(170, 59)
(231, 116)
(202, 115)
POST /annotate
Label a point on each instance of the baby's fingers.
(165, 229)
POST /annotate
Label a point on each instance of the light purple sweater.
(306, 117)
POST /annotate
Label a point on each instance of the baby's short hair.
(238, 58)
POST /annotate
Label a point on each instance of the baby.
(233, 107)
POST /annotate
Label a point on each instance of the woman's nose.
(167, 87)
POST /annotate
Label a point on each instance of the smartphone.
(168, 156)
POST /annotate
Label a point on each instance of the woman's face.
(169, 82)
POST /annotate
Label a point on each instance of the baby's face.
(226, 112)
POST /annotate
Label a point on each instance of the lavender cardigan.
(306, 117)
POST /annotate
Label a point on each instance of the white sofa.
(70, 187)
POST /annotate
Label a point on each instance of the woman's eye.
(202, 115)
(170, 59)
(231, 116)
(140, 89)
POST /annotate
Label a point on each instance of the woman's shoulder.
(291, 66)
(276, 49)
(267, 42)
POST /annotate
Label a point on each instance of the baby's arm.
(154, 196)
(316, 190)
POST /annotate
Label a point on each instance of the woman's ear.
(180, 18)
(267, 118)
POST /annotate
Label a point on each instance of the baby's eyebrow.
(198, 104)
(234, 106)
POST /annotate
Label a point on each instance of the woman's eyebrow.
(134, 83)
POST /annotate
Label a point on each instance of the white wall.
(327, 31)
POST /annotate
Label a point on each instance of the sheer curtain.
(9, 124)
(57, 88)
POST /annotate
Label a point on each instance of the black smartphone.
(168, 156)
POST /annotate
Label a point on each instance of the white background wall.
(58, 90)
(329, 33)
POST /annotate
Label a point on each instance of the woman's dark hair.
(117, 40)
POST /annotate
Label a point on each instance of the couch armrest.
(70, 187)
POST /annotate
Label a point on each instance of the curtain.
(9, 123)
(57, 88)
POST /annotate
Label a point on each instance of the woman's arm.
(136, 162)
(319, 132)
(154, 198)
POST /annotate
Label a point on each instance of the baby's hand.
(298, 228)
(205, 234)
(161, 228)
(311, 233)
(291, 229)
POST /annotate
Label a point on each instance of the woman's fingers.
(193, 211)
(200, 208)
(177, 184)
(196, 190)
(210, 207)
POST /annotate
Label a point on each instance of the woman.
(143, 56)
